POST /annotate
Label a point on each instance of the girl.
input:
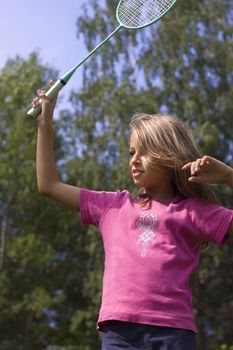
(151, 242)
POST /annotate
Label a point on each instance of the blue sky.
(47, 26)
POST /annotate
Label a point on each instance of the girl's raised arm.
(47, 178)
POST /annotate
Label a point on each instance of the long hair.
(167, 141)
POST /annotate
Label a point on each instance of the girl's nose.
(135, 159)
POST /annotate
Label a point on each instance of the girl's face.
(154, 180)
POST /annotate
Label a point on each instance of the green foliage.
(44, 260)
(51, 265)
(225, 347)
(182, 66)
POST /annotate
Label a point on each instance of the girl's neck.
(163, 195)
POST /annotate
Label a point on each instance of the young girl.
(151, 242)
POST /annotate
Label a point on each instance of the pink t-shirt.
(150, 254)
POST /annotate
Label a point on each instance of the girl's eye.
(131, 153)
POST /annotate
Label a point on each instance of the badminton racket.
(130, 14)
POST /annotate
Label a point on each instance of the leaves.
(50, 282)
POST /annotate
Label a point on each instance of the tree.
(51, 265)
(41, 249)
(183, 65)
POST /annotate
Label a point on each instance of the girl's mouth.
(137, 172)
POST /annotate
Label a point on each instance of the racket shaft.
(34, 112)
(57, 86)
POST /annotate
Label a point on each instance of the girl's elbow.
(49, 189)
(44, 191)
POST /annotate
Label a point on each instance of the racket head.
(137, 14)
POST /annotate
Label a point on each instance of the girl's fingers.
(197, 165)
(206, 160)
(47, 105)
(193, 166)
(198, 179)
(186, 166)
(41, 94)
(35, 102)
(37, 99)
(207, 170)
(192, 171)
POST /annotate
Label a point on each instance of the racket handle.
(57, 86)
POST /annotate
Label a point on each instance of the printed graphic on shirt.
(147, 224)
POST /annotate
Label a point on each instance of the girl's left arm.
(212, 171)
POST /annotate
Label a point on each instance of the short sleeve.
(95, 204)
(212, 221)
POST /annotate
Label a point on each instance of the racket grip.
(57, 86)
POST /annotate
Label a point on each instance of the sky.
(45, 26)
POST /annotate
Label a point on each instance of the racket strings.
(137, 13)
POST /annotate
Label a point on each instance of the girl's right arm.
(48, 181)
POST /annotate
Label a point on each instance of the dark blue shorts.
(133, 336)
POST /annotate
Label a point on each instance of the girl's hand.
(47, 107)
(209, 170)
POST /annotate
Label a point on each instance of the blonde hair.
(167, 141)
